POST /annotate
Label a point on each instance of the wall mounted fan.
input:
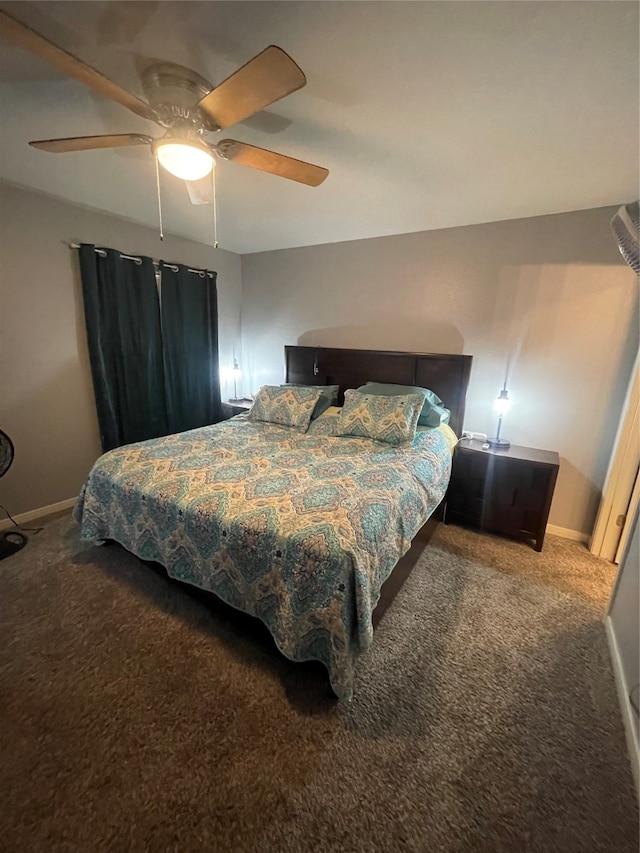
(625, 225)
(187, 106)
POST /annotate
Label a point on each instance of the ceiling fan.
(187, 106)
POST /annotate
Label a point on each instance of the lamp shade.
(502, 404)
(187, 160)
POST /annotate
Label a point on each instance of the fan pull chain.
(215, 208)
(159, 198)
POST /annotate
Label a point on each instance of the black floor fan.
(12, 540)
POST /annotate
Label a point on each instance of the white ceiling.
(427, 114)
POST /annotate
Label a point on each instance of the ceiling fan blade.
(265, 79)
(269, 161)
(20, 34)
(200, 192)
(86, 143)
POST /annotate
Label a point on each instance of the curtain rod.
(138, 260)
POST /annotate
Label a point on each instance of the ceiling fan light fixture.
(186, 160)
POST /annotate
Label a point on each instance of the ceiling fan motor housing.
(173, 91)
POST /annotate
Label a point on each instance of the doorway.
(621, 493)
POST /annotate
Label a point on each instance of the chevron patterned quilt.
(300, 530)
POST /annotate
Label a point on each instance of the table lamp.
(501, 406)
(236, 373)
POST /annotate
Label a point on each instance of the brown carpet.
(135, 717)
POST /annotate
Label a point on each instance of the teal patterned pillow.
(328, 396)
(389, 419)
(433, 412)
(285, 405)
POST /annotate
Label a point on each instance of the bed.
(310, 532)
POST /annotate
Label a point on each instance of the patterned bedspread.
(300, 530)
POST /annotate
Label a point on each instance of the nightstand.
(230, 409)
(502, 491)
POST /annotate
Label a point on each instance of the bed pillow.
(328, 396)
(382, 418)
(433, 411)
(285, 405)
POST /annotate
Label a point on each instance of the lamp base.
(499, 443)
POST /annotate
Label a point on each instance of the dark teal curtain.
(122, 316)
(190, 344)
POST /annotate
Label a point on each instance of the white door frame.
(621, 488)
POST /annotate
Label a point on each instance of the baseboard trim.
(567, 533)
(628, 716)
(41, 512)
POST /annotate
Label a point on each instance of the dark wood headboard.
(445, 375)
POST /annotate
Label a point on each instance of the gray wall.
(548, 298)
(46, 395)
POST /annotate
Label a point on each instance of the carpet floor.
(136, 717)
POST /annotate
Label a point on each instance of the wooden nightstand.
(230, 409)
(502, 491)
